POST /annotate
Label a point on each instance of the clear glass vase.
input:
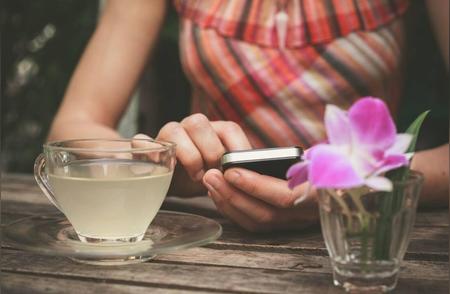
(367, 232)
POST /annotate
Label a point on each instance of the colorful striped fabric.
(310, 21)
(337, 51)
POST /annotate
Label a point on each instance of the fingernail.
(199, 175)
(233, 176)
(209, 188)
(214, 195)
(141, 136)
(212, 182)
(301, 199)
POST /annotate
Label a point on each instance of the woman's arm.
(434, 163)
(438, 14)
(109, 69)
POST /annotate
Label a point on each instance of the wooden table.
(239, 262)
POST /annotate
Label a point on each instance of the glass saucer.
(54, 235)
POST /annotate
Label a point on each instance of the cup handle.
(42, 180)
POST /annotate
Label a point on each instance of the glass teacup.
(110, 190)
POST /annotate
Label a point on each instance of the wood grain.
(195, 277)
(427, 243)
(20, 283)
(436, 270)
(239, 262)
(23, 188)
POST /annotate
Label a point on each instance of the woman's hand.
(260, 203)
(200, 145)
(254, 201)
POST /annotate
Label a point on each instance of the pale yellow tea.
(110, 199)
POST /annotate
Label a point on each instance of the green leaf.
(391, 203)
(414, 129)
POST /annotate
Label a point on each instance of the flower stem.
(364, 238)
(364, 219)
(384, 229)
(356, 197)
(344, 207)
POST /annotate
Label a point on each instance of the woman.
(261, 72)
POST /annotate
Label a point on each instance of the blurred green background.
(42, 41)
(41, 44)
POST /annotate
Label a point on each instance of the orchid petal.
(337, 125)
(330, 168)
(401, 144)
(307, 153)
(391, 162)
(310, 152)
(379, 183)
(297, 174)
(365, 163)
(372, 124)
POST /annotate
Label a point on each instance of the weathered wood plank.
(23, 191)
(14, 209)
(22, 187)
(427, 243)
(424, 241)
(432, 218)
(436, 270)
(195, 277)
(200, 277)
(26, 179)
(19, 205)
(20, 283)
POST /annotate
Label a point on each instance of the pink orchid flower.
(363, 145)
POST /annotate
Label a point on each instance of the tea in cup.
(109, 190)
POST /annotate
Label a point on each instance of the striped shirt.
(335, 52)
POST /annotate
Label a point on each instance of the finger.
(186, 151)
(268, 189)
(141, 136)
(142, 141)
(160, 153)
(233, 214)
(231, 135)
(231, 199)
(236, 216)
(205, 138)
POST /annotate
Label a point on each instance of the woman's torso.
(336, 51)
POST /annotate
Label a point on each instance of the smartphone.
(268, 161)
